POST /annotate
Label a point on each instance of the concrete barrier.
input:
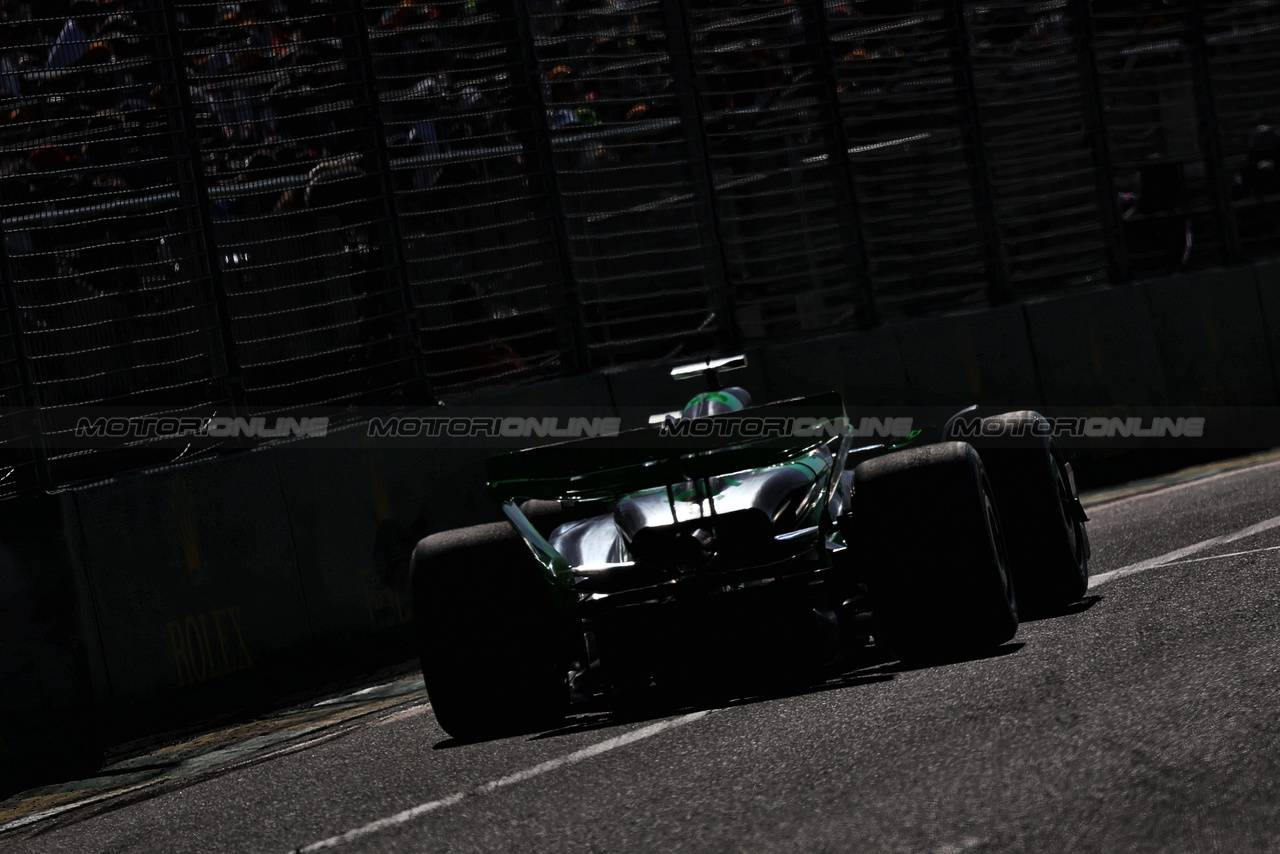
(1268, 278)
(1097, 349)
(865, 367)
(52, 686)
(1212, 339)
(979, 357)
(195, 587)
(353, 512)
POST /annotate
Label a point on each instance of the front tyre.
(1048, 543)
(493, 646)
(926, 524)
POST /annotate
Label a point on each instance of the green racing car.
(727, 542)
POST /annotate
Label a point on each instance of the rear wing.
(606, 467)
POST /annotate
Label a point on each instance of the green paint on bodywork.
(911, 437)
(642, 462)
(729, 400)
(555, 569)
(642, 459)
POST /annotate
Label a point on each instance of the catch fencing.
(246, 207)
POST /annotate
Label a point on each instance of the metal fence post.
(1118, 259)
(186, 141)
(864, 289)
(998, 272)
(680, 50)
(537, 140)
(1211, 134)
(373, 107)
(30, 398)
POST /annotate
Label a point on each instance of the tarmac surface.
(1144, 720)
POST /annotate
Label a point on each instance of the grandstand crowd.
(319, 122)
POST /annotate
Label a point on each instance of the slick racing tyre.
(493, 646)
(1045, 531)
(925, 522)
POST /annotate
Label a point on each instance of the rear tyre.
(495, 651)
(926, 524)
(1047, 542)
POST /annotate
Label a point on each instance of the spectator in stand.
(21, 51)
(1256, 192)
(424, 135)
(403, 48)
(469, 350)
(76, 36)
(232, 71)
(1157, 232)
(563, 96)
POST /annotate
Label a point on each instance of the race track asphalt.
(1148, 719)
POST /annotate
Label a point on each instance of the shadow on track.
(872, 666)
(1074, 608)
(943, 660)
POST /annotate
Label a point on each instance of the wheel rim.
(996, 536)
(1066, 511)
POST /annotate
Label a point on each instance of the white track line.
(510, 780)
(1186, 551)
(1225, 554)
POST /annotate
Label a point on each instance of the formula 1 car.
(728, 540)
